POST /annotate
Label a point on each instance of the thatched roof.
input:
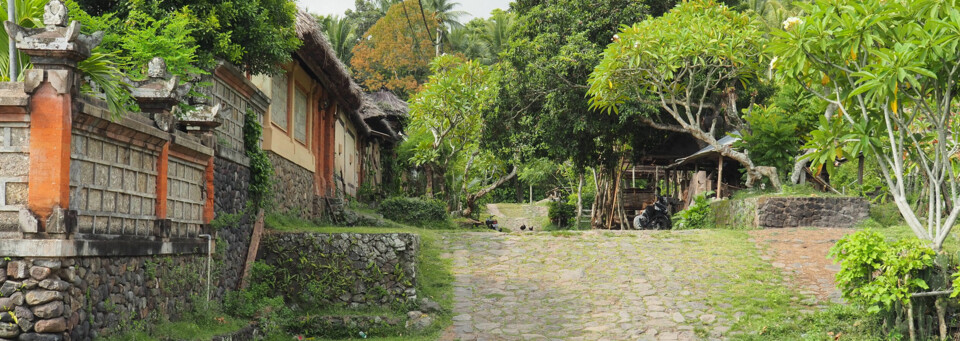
(390, 104)
(319, 59)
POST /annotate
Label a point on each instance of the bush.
(697, 216)
(414, 211)
(561, 213)
(876, 274)
(886, 214)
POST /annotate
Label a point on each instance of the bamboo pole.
(719, 176)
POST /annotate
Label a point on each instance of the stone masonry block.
(14, 164)
(16, 193)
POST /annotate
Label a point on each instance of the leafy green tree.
(889, 67)
(341, 33)
(688, 62)
(257, 35)
(367, 13)
(451, 107)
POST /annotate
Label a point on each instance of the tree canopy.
(889, 67)
(395, 53)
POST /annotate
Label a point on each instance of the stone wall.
(113, 185)
(816, 211)
(779, 212)
(14, 166)
(231, 181)
(88, 297)
(345, 269)
(293, 191)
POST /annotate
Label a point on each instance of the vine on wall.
(261, 170)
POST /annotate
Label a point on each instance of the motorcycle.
(655, 216)
(493, 224)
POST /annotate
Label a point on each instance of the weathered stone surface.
(40, 337)
(293, 189)
(17, 269)
(8, 288)
(6, 303)
(48, 263)
(40, 273)
(779, 212)
(429, 306)
(54, 284)
(17, 298)
(51, 326)
(48, 310)
(36, 297)
(9, 330)
(24, 318)
(377, 278)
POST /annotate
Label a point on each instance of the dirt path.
(802, 254)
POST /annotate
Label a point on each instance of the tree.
(367, 13)
(341, 33)
(687, 62)
(444, 14)
(889, 67)
(395, 53)
(451, 107)
(553, 49)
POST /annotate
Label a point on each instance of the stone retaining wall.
(779, 212)
(231, 181)
(349, 269)
(85, 298)
(293, 191)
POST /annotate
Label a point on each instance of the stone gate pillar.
(54, 51)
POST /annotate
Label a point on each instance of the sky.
(475, 8)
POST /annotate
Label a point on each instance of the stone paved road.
(592, 285)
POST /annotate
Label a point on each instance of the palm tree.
(445, 15)
(341, 33)
(497, 32)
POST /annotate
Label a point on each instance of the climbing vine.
(261, 171)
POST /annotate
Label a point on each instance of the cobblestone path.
(598, 285)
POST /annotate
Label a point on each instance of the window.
(278, 104)
(300, 116)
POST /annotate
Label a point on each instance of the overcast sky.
(475, 8)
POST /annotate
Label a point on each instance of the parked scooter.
(654, 217)
(493, 225)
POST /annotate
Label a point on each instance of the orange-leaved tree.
(395, 52)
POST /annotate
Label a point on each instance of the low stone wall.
(293, 191)
(779, 212)
(344, 269)
(84, 298)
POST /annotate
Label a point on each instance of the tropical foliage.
(395, 52)
(889, 68)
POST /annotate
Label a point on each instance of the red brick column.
(50, 127)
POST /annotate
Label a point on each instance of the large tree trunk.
(472, 198)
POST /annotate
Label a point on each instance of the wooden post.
(719, 176)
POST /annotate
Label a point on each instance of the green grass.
(805, 190)
(184, 330)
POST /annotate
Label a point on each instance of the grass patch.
(198, 324)
(788, 190)
(838, 321)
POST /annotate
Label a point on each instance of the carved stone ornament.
(160, 91)
(59, 42)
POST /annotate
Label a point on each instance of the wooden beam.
(719, 176)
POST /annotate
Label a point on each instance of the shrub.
(414, 211)
(878, 275)
(561, 213)
(697, 216)
(886, 214)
